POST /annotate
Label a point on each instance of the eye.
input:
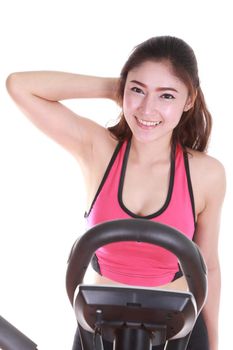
(137, 90)
(168, 96)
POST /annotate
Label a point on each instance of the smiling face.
(154, 100)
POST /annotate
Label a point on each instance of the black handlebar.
(12, 339)
(140, 230)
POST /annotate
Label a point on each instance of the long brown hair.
(194, 128)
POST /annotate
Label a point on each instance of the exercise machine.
(12, 339)
(129, 317)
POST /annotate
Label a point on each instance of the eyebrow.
(164, 88)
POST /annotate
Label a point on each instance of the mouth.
(148, 123)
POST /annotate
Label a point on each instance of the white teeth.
(148, 123)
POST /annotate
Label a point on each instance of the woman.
(152, 164)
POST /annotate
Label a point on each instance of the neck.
(151, 152)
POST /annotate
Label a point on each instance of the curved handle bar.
(140, 230)
(12, 339)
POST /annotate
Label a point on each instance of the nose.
(148, 105)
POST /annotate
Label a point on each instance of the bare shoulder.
(202, 158)
(94, 166)
(102, 139)
(208, 173)
(205, 163)
(100, 145)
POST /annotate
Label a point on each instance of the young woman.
(152, 164)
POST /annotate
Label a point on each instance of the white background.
(42, 198)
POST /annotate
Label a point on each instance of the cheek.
(173, 113)
(129, 105)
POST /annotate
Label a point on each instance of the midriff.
(92, 277)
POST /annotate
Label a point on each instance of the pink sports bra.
(134, 263)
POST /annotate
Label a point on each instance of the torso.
(160, 184)
(138, 198)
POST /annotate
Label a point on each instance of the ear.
(190, 102)
(188, 105)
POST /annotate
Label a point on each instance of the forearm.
(58, 86)
(211, 308)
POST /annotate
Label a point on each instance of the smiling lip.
(148, 123)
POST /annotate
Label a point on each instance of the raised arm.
(38, 94)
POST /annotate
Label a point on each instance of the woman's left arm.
(206, 237)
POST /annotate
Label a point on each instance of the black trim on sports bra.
(121, 185)
(190, 187)
(111, 162)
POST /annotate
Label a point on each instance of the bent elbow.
(13, 83)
